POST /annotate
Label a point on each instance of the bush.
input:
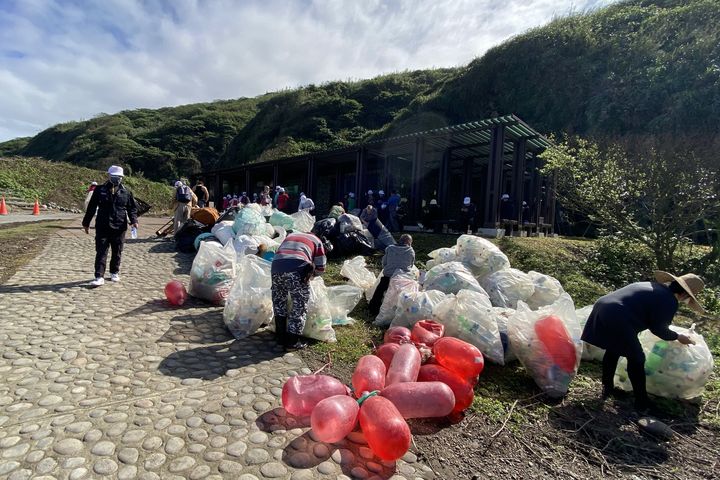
(615, 262)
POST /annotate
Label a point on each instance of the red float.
(397, 335)
(386, 352)
(334, 417)
(462, 390)
(369, 375)
(175, 292)
(459, 356)
(386, 431)
(558, 345)
(301, 393)
(421, 399)
(427, 332)
(405, 365)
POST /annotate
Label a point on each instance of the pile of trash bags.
(346, 236)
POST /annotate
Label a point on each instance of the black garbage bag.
(142, 207)
(322, 228)
(351, 244)
(185, 237)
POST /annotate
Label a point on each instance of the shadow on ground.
(214, 361)
(206, 327)
(44, 287)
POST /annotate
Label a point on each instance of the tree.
(651, 190)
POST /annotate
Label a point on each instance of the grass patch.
(66, 184)
(20, 243)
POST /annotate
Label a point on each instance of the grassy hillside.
(66, 184)
(636, 67)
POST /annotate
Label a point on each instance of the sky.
(63, 60)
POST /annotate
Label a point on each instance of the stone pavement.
(113, 383)
(26, 217)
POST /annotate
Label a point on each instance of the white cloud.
(62, 60)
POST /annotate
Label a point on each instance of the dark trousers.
(636, 374)
(378, 296)
(104, 240)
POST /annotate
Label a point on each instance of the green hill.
(66, 184)
(636, 67)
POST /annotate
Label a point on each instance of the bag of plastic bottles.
(249, 221)
(301, 393)
(590, 352)
(469, 316)
(673, 370)
(212, 272)
(281, 219)
(547, 343)
(547, 290)
(356, 271)
(369, 375)
(318, 324)
(249, 304)
(415, 306)
(506, 287)
(245, 245)
(451, 277)
(348, 223)
(440, 256)
(333, 418)
(303, 221)
(481, 256)
(223, 231)
(343, 300)
(403, 282)
(502, 316)
(386, 431)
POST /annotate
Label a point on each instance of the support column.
(310, 184)
(442, 191)
(518, 182)
(497, 146)
(247, 182)
(551, 202)
(360, 175)
(276, 171)
(416, 187)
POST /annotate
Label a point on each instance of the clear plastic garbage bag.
(213, 272)
(249, 304)
(401, 283)
(349, 223)
(303, 221)
(451, 277)
(590, 352)
(343, 300)
(318, 324)
(281, 219)
(547, 343)
(502, 316)
(506, 287)
(356, 271)
(469, 316)
(248, 221)
(223, 231)
(480, 255)
(440, 256)
(415, 306)
(673, 370)
(547, 290)
(245, 245)
(371, 291)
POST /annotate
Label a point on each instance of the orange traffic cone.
(36, 208)
(3, 207)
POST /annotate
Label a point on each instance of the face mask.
(115, 180)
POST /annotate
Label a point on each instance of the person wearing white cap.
(115, 205)
(617, 319)
(183, 201)
(306, 204)
(467, 216)
(370, 198)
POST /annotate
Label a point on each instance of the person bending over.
(397, 259)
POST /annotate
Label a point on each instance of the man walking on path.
(114, 204)
(300, 257)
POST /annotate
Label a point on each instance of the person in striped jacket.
(300, 257)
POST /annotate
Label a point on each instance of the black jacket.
(618, 317)
(113, 210)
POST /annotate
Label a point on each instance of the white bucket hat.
(115, 171)
(466, 200)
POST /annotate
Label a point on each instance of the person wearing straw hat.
(617, 319)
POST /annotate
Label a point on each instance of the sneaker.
(115, 277)
(97, 282)
(296, 346)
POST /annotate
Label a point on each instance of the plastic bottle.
(421, 399)
(459, 356)
(133, 233)
(369, 375)
(405, 365)
(462, 390)
(386, 431)
(655, 358)
(334, 417)
(397, 335)
(559, 346)
(301, 393)
(386, 352)
(427, 332)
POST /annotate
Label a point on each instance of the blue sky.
(64, 60)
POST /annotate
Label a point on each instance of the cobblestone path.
(113, 383)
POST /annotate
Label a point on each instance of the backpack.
(183, 194)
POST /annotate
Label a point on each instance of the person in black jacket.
(114, 204)
(618, 318)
